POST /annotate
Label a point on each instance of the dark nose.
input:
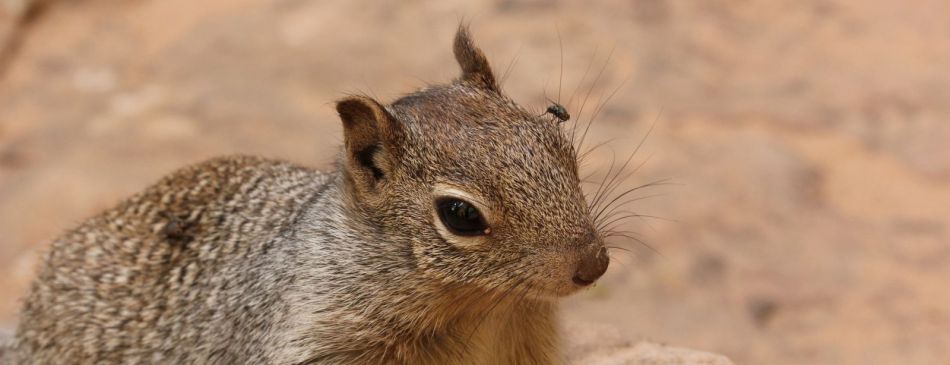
(591, 267)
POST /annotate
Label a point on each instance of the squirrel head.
(481, 191)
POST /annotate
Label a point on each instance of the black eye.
(461, 217)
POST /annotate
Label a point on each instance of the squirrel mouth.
(550, 291)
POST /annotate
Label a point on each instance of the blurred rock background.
(807, 140)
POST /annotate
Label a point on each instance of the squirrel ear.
(370, 135)
(475, 68)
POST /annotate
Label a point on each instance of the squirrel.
(452, 224)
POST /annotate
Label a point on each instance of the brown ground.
(809, 141)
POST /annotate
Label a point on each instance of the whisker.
(617, 181)
(621, 218)
(632, 154)
(640, 215)
(640, 241)
(600, 73)
(570, 101)
(584, 77)
(616, 259)
(600, 188)
(618, 248)
(614, 182)
(511, 66)
(560, 79)
(614, 200)
(597, 111)
(613, 209)
(594, 148)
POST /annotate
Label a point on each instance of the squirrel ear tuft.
(475, 67)
(371, 135)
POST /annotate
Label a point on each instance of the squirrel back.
(158, 272)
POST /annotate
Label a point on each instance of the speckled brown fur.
(246, 260)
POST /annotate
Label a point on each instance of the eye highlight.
(461, 217)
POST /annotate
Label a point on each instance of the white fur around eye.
(448, 191)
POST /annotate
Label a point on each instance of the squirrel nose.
(591, 267)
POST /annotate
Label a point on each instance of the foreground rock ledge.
(649, 353)
(591, 344)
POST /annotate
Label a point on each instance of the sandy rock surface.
(605, 345)
(6, 342)
(805, 222)
(648, 353)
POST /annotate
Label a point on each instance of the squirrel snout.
(591, 266)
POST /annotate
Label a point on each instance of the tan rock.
(649, 353)
(6, 340)
(590, 344)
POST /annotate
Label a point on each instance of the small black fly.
(559, 112)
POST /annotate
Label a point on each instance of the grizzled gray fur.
(243, 260)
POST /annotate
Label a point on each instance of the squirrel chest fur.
(452, 224)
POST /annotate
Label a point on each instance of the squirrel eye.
(461, 217)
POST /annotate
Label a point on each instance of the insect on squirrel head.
(478, 189)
